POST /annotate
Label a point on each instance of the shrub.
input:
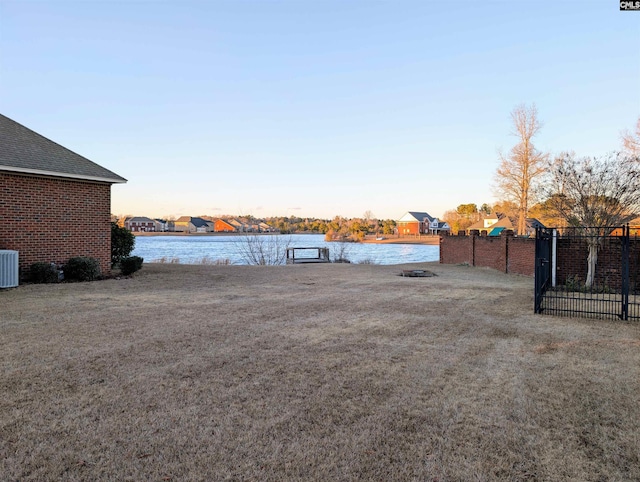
(82, 269)
(122, 243)
(43, 273)
(367, 261)
(263, 249)
(130, 265)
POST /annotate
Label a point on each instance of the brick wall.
(491, 252)
(521, 257)
(572, 262)
(52, 220)
(504, 253)
(517, 255)
(456, 249)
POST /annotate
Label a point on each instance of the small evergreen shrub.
(82, 268)
(43, 273)
(130, 265)
(122, 243)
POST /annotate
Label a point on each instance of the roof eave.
(80, 177)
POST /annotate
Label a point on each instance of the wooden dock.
(307, 255)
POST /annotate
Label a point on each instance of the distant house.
(222, 226)
(140, 224)
(419, 222)
(161, 225)
(240, 226)
(189, 224)
(488, 223)
(54, 204)
(494, 225)
(436, 226)
(183, 225)
(264, 227)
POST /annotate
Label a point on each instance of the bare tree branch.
(631, 141)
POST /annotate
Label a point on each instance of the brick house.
(141, 224)
(418, 222)
(54, 203)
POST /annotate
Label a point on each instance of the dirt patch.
(311, 372)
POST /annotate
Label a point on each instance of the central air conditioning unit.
(8, 268)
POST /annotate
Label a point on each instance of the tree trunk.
(592, 261)
(522, 223)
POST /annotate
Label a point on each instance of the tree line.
(338, 227)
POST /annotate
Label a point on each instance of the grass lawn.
(312, 372)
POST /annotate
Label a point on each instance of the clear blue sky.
(314, 108)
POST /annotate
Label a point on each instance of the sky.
(315, 108)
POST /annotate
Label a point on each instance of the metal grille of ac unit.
(8, 268)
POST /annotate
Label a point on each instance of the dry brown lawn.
(312, 372)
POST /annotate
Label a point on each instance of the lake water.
(192, 249)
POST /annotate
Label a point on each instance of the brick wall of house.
(141, 227)
(52, 220)
(504, 253)
(410, 228)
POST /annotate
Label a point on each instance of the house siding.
(410, 228)
(52, 220)
(221, 226)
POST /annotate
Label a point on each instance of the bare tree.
(631, 141)
(519, 170)
(597, 194)
(370, 221)
(341, 251)
(263, 249)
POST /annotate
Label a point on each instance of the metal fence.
(588, 272)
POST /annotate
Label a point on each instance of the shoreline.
(428, 239)
(425, 239)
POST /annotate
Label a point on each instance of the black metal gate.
(589, 272)
(542, 266)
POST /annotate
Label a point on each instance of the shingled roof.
(25, 151)
(418, 216)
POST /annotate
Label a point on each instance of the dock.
(307, 255)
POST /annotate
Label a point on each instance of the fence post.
(625, 273)
(473, 249)
(507, 234)
(554, 257)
